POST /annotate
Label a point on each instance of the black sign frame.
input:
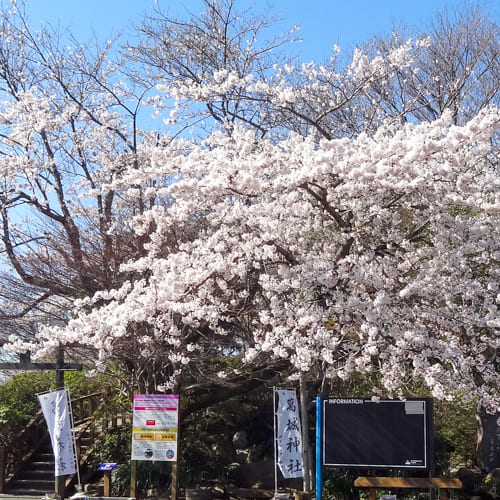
(364, 433)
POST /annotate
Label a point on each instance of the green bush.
(112, 446)
(19, 402)
(20, 392)
(19, 397)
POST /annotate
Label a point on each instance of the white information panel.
(154, 427)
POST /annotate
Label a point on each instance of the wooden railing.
(15, 454)
(94, 429)
(85, 407)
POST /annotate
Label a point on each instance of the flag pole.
(79, 488)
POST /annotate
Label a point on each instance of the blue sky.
(323, 23)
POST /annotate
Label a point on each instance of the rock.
(240, 440)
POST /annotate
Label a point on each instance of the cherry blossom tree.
(458, 71)
(373, 254)
(220, 69)
(316, 230)
(69, 123)
(68, 126)
(213, 54)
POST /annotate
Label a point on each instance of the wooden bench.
(375, 483)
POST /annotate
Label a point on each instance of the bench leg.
(443, 494)
(372, 493)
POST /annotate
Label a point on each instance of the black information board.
(387, 433)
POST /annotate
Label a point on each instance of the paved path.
(4, 496)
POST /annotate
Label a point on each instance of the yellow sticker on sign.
(144, 436)
(165, 437)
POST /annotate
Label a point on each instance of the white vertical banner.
(56, 412)
(288, 434)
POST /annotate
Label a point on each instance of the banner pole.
(79, 488)
(275, 444)
(56, 410)
(60, 481)
(307, 467)
(319, 425)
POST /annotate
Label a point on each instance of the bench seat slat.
(408, 482)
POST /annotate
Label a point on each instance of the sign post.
(107, 468)
(155, 424)
(133, 477)
(319, 425)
